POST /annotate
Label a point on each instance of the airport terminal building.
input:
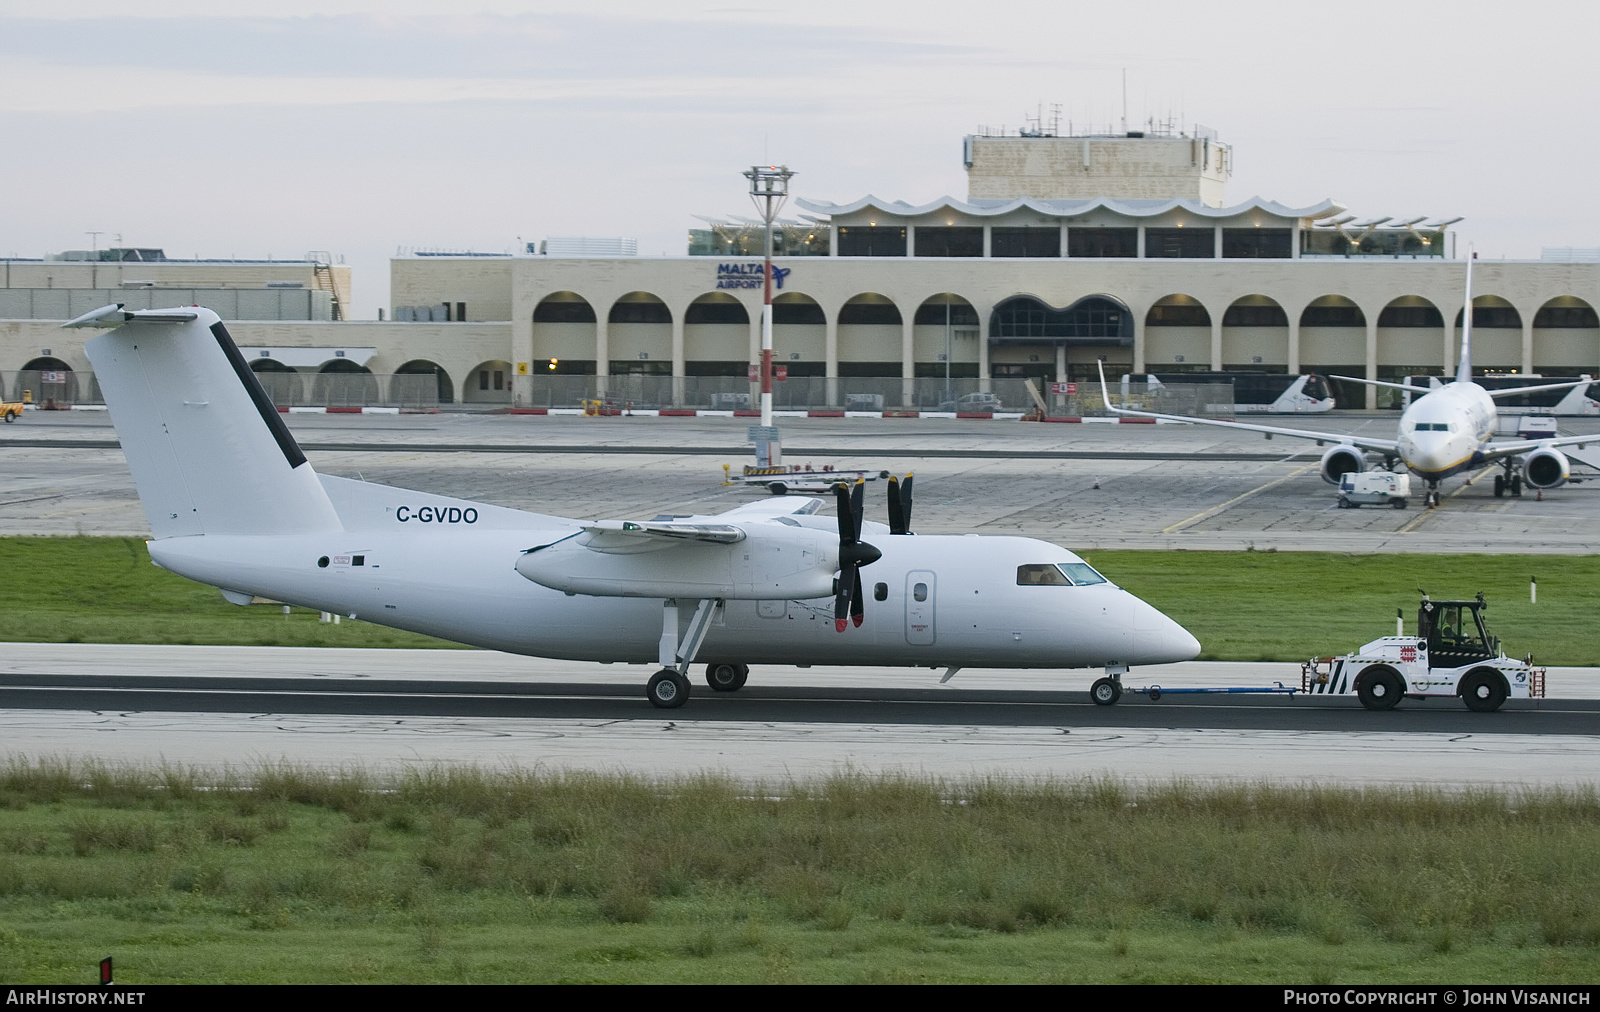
(1066, 250)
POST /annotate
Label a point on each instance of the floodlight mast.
(769, 190)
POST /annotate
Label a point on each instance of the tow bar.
(1155, 692)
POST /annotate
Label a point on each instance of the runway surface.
(215, 706)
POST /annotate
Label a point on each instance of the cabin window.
(920, 592)
(880, 592)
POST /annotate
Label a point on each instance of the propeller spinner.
(853, 554)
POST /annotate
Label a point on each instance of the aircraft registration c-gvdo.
(232, 502)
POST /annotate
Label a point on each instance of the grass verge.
(286, 874)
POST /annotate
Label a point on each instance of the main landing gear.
(727, 677)
(1511, 481)
(668, 688)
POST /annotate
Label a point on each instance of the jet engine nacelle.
(1546, 468)
(1340, 461)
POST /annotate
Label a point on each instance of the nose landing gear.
(1431, 500)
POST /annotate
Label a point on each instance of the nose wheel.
(727, 677)
(1106, 691)
(1431, 500)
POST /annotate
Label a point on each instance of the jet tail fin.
(1464, 367)
(207, 448)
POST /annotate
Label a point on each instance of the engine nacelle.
(1340, 461)
(1546, 468)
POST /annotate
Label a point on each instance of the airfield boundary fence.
(425, 392)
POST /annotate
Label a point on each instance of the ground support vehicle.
(802, 479)
(11, 410)
(1452, 654)
(1373, 488)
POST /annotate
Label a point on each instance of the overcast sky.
(251, 128)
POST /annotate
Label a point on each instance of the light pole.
(769, 189)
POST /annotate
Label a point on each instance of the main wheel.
(1483, 690)
(667, 689)
(1379, 688)
(1516, 485)
(1105, 692)
(727, 677)
(1499, 486)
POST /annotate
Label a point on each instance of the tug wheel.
(1379, 688)
(1105, 692)
(1483, 690)
(667, 690)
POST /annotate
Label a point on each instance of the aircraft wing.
(1492, 451)
(775, 506)
(615, 535)
(1509, 391)
(1337, 438)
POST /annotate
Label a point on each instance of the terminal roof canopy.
(1071, 208)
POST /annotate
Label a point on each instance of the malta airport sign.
(748, 275)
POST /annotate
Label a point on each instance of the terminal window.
(1025, 242)
(957, 241)
(1102, 242)
(1189, 243)
(868, 241)
(1256, 243)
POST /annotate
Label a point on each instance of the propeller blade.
(899, 506)
(848, 528)
(858, 501)
(849, 578)
(858, 604)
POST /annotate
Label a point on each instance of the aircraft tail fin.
(1464, 366)
(207, 448)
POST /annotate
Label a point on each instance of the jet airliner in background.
(1448, 429)
(233, 502)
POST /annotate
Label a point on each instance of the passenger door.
(920, 586)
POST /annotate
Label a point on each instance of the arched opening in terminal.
(945, 339)
(870, 330)
(282, 382)
(800, 345)
(1177, 336)
(488, 383)
(1031, 339)
(1566, 338)
(1411, 342)
(420, 383)
(48, 381)
(1333, 340)
(716, 337)
(563, 337)
(639, 335)
(341, 383)
(1496, 336)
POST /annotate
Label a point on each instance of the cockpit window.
(1081, 573)
(1041, 576)
(1067, 574)
(1433, 427)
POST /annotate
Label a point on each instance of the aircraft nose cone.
(1157, 639)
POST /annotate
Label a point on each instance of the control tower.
(1137, 165)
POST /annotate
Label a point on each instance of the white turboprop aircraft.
(1446, 430)
(232, 502)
